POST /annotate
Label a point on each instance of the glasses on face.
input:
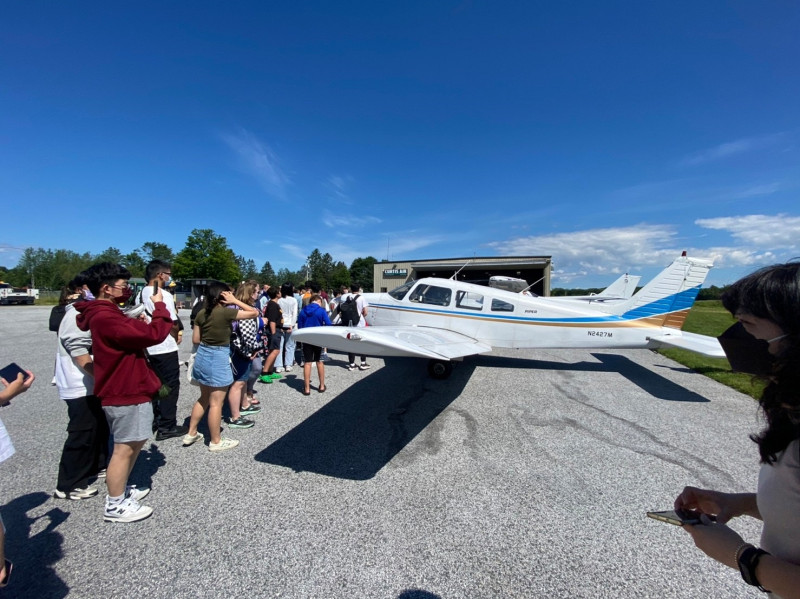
(169, 273)
(121, 287)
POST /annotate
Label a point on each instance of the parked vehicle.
(17, 295)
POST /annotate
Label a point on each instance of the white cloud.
(258, 160)
(337, 221)
(296, 251)
(731, 148)
(337, 186)
(765, 232)
(756, 191)
(759, 240)
(400, 246)
(598, 251)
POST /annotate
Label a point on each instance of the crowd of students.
(117, 368)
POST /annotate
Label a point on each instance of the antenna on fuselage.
(532, 284)
(455, 274)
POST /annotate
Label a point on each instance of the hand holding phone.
(16, 381)
(9, 373)
(156, 297)
(678, 517)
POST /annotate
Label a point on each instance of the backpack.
(348, 311)
(245, 338)
(56, 316)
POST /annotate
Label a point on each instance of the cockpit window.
(469, 300)
(399, 293)
(431, 294)
(501, 306)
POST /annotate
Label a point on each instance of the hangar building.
(534, 269)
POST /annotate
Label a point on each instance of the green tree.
(31, 263)
(297, 277)
(247, 268)
(206, 255)
(66, 264)
(340, 275)
(320, 267)
(267, 275)
(362, 270)
(135, 263)
(153, 250)
(111, 254)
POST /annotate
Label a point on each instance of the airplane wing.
(410, 341)
(701, 344)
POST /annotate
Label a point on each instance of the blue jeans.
(286, 355)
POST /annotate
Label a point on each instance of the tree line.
(706, 293)
(205, 255)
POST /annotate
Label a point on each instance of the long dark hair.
(774, 293)
(215, 289)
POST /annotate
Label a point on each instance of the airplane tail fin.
(623, 287)
(666, 300)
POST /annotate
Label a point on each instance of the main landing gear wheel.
(440, 369)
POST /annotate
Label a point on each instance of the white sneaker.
(279, 370)
(84, 493)
(363, 366)
(137, 494)
(287, 369)
(189, 440)
(351, 367)
(127, 510)
(223, 444)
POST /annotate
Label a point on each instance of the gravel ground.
(526, 474)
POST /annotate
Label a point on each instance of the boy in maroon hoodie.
(123, 379)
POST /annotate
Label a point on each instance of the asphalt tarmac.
(526, 474)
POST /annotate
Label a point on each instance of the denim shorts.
(240, 366)
(212, 365)
(130, 423)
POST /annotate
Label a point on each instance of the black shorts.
(274, 341)
(311, 353)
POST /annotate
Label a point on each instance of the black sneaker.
(240, 422)
(175, 431)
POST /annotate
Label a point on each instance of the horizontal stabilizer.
(409, 341)
(702, 344)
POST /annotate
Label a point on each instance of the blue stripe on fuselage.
(673, 303)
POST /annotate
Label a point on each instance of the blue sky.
(610, 135)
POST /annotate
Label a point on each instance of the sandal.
(306, 392)
(322, 389)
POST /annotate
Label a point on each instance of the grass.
(710, 318)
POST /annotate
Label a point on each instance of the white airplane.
(445, 320)
(621, 288)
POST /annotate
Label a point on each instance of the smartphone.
(677, 517)
(155, 287)
(10, 372)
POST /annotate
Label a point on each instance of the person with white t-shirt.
(361, 306)
(164, 356)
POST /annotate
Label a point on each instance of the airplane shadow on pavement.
(641, 376)
(357, 433)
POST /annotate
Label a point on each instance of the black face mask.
(745, 352)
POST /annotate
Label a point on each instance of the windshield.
(399, 293)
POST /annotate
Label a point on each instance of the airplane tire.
(440, 369)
